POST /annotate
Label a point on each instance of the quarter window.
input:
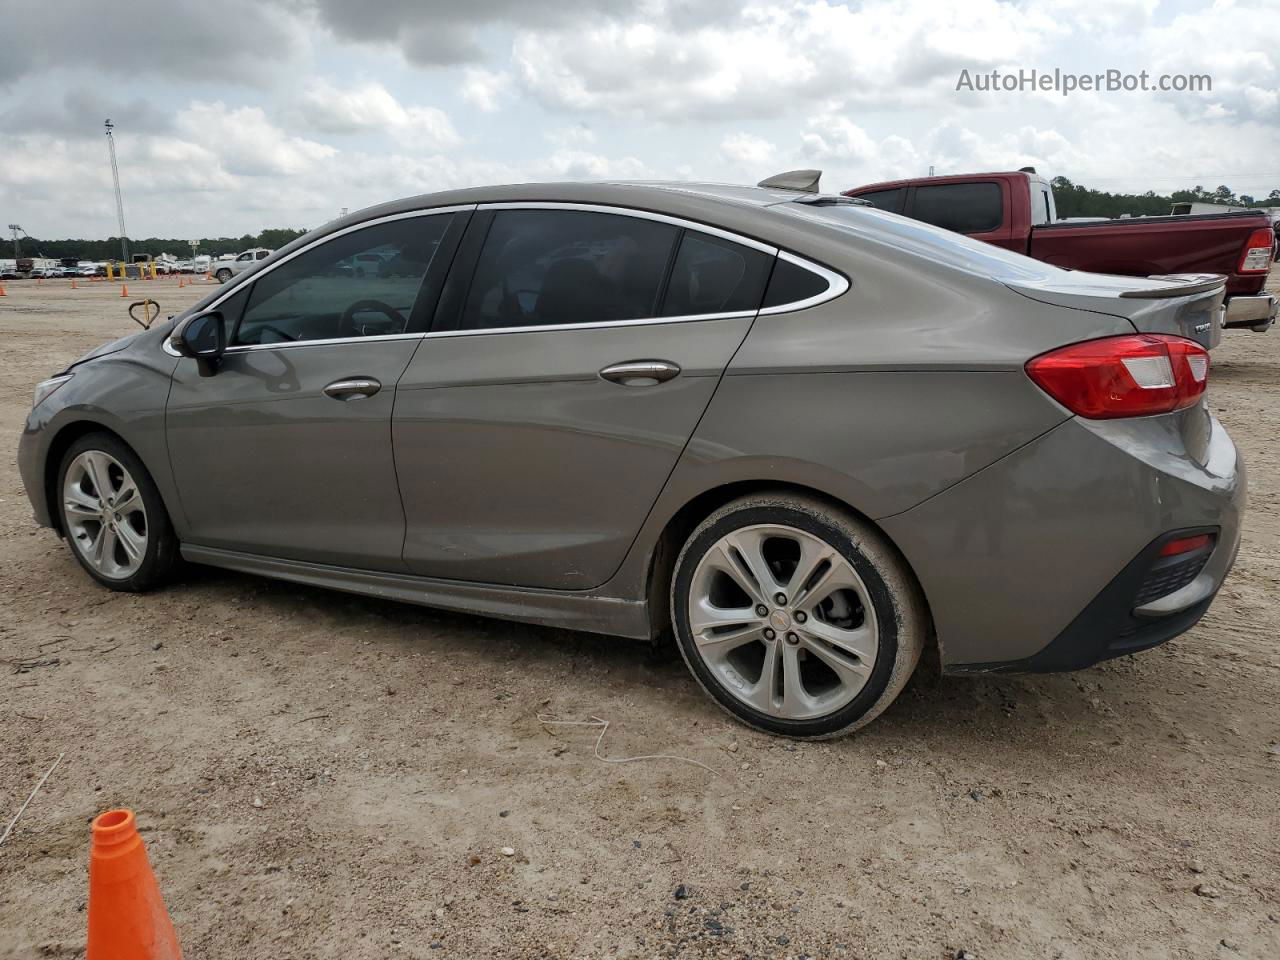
(962, 207)
(544, 267)
(715, 276)
(792, 284)
(360, 284)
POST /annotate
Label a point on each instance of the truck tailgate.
(1188, 305)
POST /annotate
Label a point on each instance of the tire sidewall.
(882, 599)
(157, 560)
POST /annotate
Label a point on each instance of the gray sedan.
(809, 438)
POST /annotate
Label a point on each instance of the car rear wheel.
(796, 617)
(113, 517)
(222, 276)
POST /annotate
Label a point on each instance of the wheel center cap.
(780, 620)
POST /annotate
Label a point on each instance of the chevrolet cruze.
(809, 438)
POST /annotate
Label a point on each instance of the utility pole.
(115, 176)
(17, 251)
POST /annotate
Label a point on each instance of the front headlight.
(46, 387)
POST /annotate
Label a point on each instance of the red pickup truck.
(1016, 211)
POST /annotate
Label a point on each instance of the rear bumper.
(1112, 626)
(1039, 561)
(1257, 313)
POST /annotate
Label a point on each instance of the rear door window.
(891, 200)
(553, 267)
(711, 275)
(962, 207)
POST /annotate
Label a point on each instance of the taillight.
(1257, 251)
(1127, 376)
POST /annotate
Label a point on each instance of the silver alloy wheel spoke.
(134, 545)
(103, 547)
(813, 554)
(127, 500)
(83, 504)
(850, 669)
(859, 642)
(97, 471)
(748, 544)
(106, 519)
(804, 658)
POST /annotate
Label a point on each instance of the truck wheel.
(222, 276)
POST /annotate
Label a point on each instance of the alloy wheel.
(105, 516)
(783, 621)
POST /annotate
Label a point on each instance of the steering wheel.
(347, 325)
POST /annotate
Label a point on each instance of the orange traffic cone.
(2, 293)
(39, 281)
(127, 917)
(73, 283)
(124, 289)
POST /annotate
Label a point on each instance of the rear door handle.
(356, 388)
(640, 373)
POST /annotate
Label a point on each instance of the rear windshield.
(934, 243)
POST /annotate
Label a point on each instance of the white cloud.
(749, 151)
(231, 142)
(369, 107)
(770, 57)
(571, 164)
(483, 89)
(246, 143)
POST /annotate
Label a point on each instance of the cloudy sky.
(234, 115)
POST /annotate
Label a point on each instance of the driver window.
(361, 284)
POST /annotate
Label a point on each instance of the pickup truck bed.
(1197, 243)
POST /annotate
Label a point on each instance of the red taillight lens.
(1256, 257)
(1186, 545)
(1126, 376)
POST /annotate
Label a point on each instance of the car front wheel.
(222, 276)
(112, 515)
(797, 617)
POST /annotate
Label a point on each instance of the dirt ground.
(318, 775)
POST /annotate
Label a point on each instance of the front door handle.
(640, 373)
(356, 388)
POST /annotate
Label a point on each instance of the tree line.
(1072, 200)
(1077, 200)
(109, 249)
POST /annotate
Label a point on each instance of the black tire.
(222, 276)
(900, 609)
(161, 557)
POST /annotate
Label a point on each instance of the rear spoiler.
(1184, 285)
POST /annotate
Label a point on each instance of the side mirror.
(203, 338)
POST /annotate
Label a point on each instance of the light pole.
(17, 251)
(115, 176)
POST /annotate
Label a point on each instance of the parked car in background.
(634, 408)
(224, 270)
(1017, 211)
